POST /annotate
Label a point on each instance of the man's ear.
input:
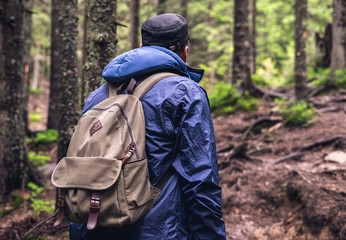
(183, 55)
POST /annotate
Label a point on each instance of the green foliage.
(341, 77)
(51, 135)
(259, 80)
(321, 76)
(35, 91)
(39, 205)
(34, 237)
(296, 112)
(15, 204)
(37, 160)
(35, 117)
(225, 99)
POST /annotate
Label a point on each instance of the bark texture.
(338, 59)
(84, 84)
(300, 54)
(68, 81)
(13, 158)
(101, 40)
(134, 23)
(53, 114)
(324, 48)
(253, 37)
(241, 68)
(28, 5)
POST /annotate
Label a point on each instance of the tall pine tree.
(300, 53)
(100, 40)
(68, 81)
(13, 159)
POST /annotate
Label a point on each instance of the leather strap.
(94, 210)
(131, 86)
(61, 209)
(147, 84)
(142, 88)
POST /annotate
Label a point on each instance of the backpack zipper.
(127, 123)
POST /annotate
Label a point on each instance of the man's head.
(167, 30)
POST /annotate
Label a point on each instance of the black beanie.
(167, 30)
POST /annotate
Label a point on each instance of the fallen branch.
(317, 91)
(39, 224)
(299, 151)
(292, 155)
(273, 94)
(320, 143)
(328, 109)
(257, 122)
(292, 213)
(270, 130)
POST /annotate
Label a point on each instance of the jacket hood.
(145, 60)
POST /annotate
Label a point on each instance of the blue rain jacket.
(179, 133)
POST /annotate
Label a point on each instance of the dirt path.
(298, 197)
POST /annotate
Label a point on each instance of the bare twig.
(292, 213)
(299, 152)
(258, 121)
(273, 94)
(292, 155)
(39, 224)
(321, 142)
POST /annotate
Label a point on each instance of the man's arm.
(196, 164)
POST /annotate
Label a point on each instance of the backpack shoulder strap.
(144, 86)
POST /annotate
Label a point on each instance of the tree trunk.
(324, 48)
(68, 81)
(84, 84)
(338, 59)
(241, 69)
(101, 40)
(300, 56)
(28, 5)
(184, 6)
(53, 114)
(161, 6)
(134, 22)
(13, 158)
(253, 38)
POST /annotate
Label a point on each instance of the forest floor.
(278, 181)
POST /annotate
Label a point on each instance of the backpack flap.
(91, 173)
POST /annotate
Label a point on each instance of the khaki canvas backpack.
(104, 180)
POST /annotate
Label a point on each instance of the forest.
(275, 74)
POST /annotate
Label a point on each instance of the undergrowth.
(322, 77)
(39, 205)
(225, 99)
(296, 112)
(50, 135)
(35, 117)
(37, 160)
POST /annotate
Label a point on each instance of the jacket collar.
(147, 60)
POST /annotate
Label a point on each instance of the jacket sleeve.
(196, 163)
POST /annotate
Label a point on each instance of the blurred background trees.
(272, 46)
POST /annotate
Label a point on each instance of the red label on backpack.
(96, 126)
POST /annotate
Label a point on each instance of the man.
(179, 134)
